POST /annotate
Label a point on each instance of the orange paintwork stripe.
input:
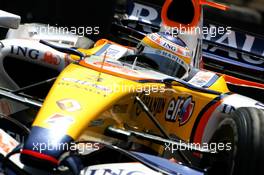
(214, 4)
(203, 122)
(241, 82)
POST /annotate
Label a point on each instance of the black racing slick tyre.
(244, 129)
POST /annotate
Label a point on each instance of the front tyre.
(244, 129)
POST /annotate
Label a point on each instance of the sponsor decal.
(50, 58)
(202, 79)
(239, 41)
(180, 109)
(59, 119)
(113, 172)
(173, 57)
(118, 169)
(169, 45)
(167, 55)
(112, 51)
(25, 52)
(114, 67)
(7, 143)
(147, 14)
(86, 83)
(156, 105)
(228, 109)
(156, 38)
(16, 136)
(69, 105)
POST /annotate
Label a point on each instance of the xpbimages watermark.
(114, 87)
(147, 89)
(80, 30)
(213, 31)
(182, 146)
(51, 146)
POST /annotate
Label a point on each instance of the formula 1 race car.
(112, 103)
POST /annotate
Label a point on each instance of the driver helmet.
(162, 44)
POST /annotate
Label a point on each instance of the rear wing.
(238, 54)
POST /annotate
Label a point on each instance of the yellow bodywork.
(102, 100)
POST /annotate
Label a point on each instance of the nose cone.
(44, 147)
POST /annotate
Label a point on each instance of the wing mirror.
(9, 20)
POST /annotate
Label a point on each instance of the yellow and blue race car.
(150, 99)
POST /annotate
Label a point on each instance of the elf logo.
(180, 110)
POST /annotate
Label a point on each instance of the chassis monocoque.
(107, 101)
